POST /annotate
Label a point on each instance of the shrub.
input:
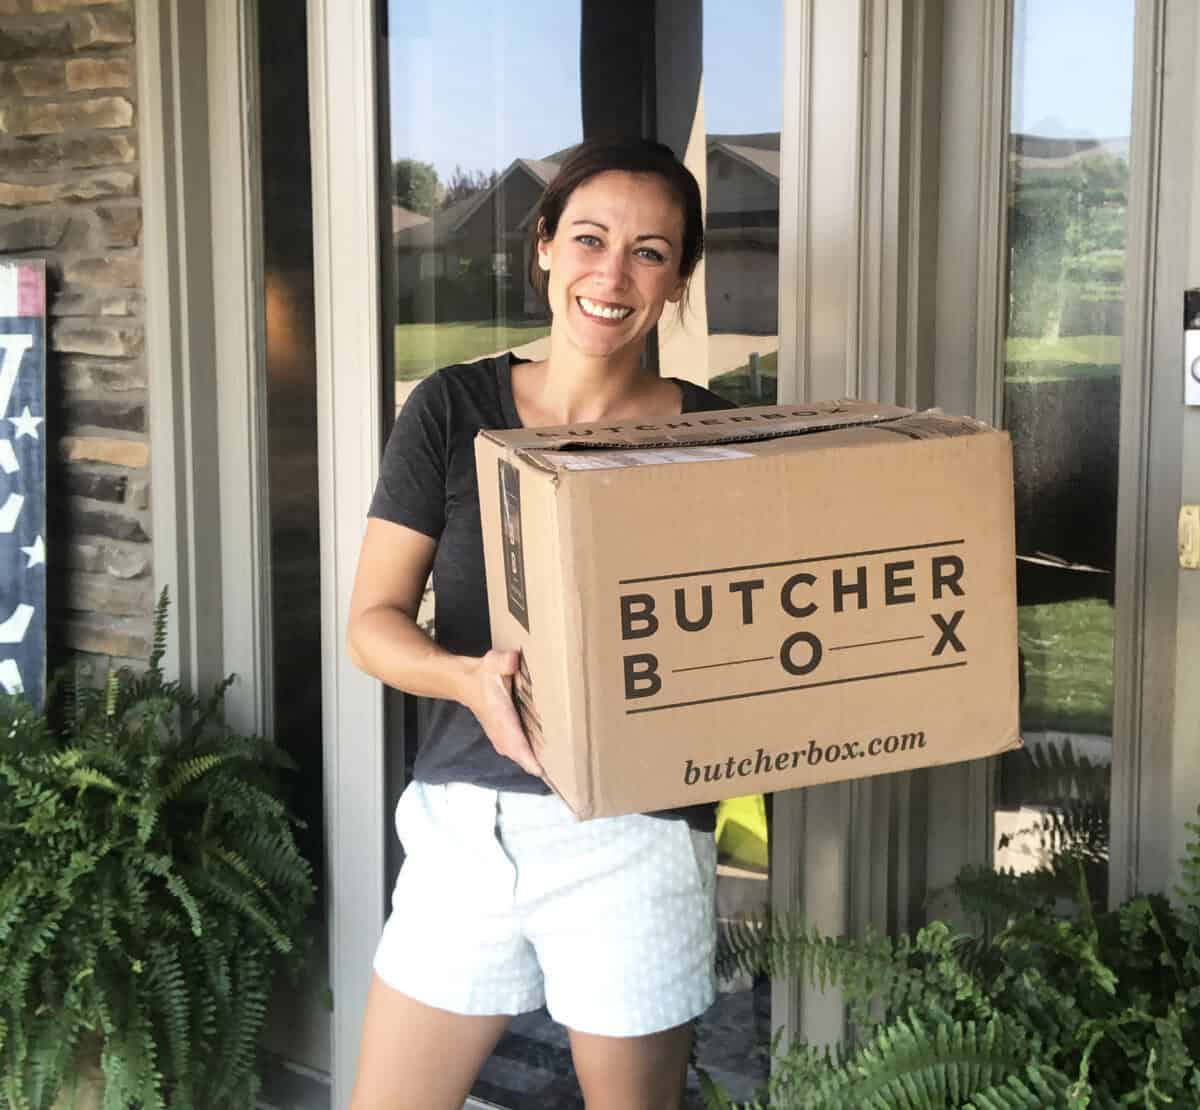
(151, 889)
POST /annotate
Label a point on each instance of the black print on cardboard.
(526, 709)
(854, 586)
(514, 550)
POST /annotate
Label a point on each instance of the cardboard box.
(732, 603)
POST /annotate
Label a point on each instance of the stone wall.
(69, 194)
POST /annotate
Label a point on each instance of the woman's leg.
(416, 1057)
(633, 1073)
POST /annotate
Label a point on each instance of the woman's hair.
(627, 155)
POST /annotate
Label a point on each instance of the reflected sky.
(1072, 68)
(513, 66)
(477, 83)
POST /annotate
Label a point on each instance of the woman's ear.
(676, 294)
(543, 246)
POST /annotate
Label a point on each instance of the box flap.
(698, 429)
(933, 424)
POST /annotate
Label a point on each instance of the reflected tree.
(415, 186)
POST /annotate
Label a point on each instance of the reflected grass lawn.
(422, 348)
(1067, 648)
(734, 385)
(1074, 356)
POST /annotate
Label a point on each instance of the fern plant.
(1048, 1008)
(151, 889)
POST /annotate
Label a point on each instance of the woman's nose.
(612, 269)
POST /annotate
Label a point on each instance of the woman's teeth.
(594, 308)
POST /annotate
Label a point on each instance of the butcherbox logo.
(815, 592)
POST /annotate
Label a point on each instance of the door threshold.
(290, 1086)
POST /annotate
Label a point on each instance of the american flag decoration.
(23, 478)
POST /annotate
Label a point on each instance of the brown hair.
(627, 155)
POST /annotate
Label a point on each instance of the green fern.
(1080, 1010)
(152, 889)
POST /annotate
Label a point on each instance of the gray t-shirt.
(427, 482)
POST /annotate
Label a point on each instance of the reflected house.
(742, 233)
(468, 259)
(471, 256)
(405, 218)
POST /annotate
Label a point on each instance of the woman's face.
(613, 262)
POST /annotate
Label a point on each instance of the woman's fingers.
(499, 717)
(509, 737)
(505, 662)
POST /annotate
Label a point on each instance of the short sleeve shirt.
(427, 482)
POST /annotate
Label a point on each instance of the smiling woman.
(612, 248)
(531, 255)
(618, 252)
(520, 913)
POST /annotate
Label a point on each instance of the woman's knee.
(633, 1073)
(416, 1056)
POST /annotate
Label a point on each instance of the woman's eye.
(650, 254)
(587, 240)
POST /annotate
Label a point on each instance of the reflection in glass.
(298, 1028)
(742, 265)
(479, 124)
(1067, 222)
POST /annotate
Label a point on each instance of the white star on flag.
(36, 552)
(26, 424)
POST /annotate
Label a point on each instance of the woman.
(505, 901)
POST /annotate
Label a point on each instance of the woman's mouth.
(600, 310)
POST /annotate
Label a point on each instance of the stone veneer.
(69, 194)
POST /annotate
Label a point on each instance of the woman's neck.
(573, 388)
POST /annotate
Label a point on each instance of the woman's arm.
(383, 639)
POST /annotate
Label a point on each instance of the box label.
(656, 456)
(811, 607)
(514, 551)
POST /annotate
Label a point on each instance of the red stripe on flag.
(31, 291)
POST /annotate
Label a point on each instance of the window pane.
(1067, 223)
(479, 125)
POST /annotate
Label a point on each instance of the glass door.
(478, 126)
(1068, 195)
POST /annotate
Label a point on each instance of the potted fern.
(1055, 1005)
(151, 889)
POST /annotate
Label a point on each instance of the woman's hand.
(491, 700)
(383, 639)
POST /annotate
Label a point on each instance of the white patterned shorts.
(506, 901)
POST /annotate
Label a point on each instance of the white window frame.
(347, 250)
(197, 98)
(858, 208)
(1142, 679)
